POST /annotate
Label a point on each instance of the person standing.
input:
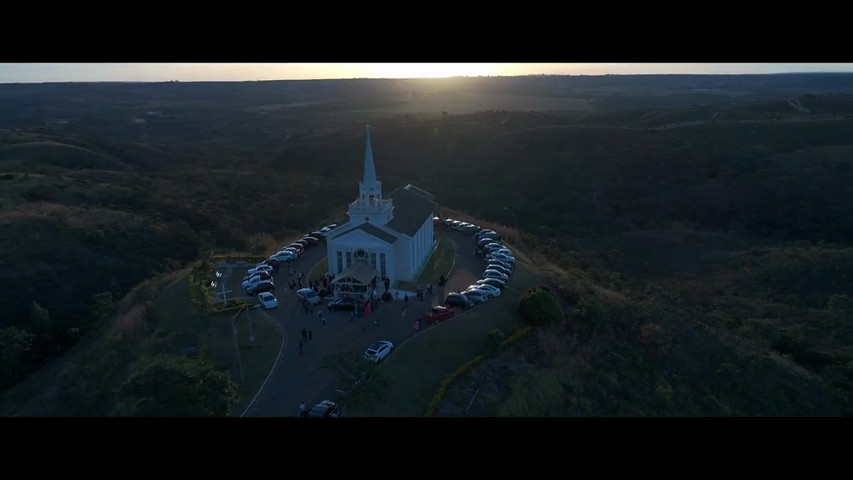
(304, 334)
(303, 410)
(309, 334)
(300, 347)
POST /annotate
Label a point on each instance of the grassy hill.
(703, 223)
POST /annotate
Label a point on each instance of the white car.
(293, 251)
(476, 295)
(496, 274)
(284, 256)
(267, 300)
(489, 290)
(379, 351)
(310, 294)
(503, 251)
(262, 268)
(328, 228)
(505, 259)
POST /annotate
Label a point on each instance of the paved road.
(300, 377)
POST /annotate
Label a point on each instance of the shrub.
(495, 339)
(539, 306)
(386, 297)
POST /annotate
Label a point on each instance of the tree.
(13, 343)
(539, 306)
(171, 385)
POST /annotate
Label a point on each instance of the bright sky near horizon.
(187, 72)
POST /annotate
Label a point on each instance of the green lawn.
(179, 322)
(407, 382)
(439, 264)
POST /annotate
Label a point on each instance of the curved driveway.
(300, 377)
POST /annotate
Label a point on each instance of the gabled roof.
(372, 230)
(412, 207)
(359, 271)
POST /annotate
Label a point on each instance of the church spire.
(369, 187)
(369, 168)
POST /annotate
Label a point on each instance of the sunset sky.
(155, 72)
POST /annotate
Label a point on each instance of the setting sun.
(430, 70)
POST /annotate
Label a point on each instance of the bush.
(386, 297)
(539, 306)
(495, 340)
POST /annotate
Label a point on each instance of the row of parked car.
(464, 227)
(499, 266)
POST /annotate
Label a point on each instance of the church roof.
(360, 271)
(372, 230)
(412, 207)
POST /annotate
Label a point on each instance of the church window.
(340, 262)
(382, 263)
(349, 259)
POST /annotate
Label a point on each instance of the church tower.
(370, 207)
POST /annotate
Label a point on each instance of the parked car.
(476, 296)
(267, 300)
(328, 228)
(303, 242)
(324, 409)
(258, 277)
(500, 263)
(262, 268)
(293, 251)
(311, 295)
(318, 235)
(262, 286)
(344, 304)
(470, 229)
(458, 300)
(504, 258)
(263, 275)
(490, 290)
(295, 245)
(447, 222)
(493, 247)
(500, 268)
(492, 281)
(436, 221)
(486, 233)
(312, 241)
(284, 256)
(274, 263)
(379, 351)
(496, 274)
(438, 313)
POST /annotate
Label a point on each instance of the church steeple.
(369, 168)
(369, 186)
(369, 206)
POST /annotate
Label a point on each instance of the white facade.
(394, 235)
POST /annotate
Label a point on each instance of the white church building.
(387, 237)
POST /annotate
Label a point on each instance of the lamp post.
(516, 220)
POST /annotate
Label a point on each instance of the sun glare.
(431, 70)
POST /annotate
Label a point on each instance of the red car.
(438, 313)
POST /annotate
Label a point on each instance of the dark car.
(438, 313)
(275, 264)
(305, 244)
(458, 300)
(344, 304)
(485, 241)
(326, 408)
(312, 241)
(262, 286)
(317, 235)
(479, 235)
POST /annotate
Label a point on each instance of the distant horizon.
(33, 73)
